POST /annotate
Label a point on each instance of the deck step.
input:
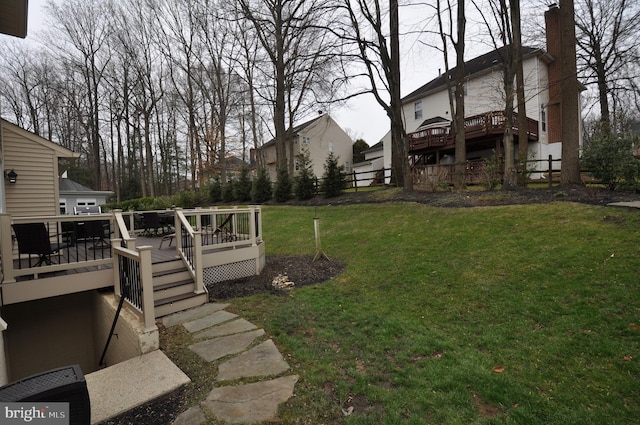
(173, 289)
(168, 278)
(179, 303)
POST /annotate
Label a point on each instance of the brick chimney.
(554, 114)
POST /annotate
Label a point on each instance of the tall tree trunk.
(399, 157)
(570, 174)
(523, 137)
(459, 114)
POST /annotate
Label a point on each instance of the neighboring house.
(73, 194)
(37, 164)
(427, 113)
(320, 136)
(370, 171)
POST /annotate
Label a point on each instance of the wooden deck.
(481, 127)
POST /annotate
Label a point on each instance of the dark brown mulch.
(475, 198)
(299, 269)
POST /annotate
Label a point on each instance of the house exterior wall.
(36, 162)
(484, 93)
(326, 136)
(320, 138)
(36, 189)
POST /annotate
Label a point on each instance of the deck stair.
(174, 289)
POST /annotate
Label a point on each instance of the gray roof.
(69, 186)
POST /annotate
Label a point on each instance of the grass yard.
(495, 315)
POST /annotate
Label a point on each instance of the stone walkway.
(240, 351)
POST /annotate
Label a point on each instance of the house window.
(346, 167)
(330, 146)
(305, 140)
(543, 117)
(86, 202)
(63, 206)
(417, 110)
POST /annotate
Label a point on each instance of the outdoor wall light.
(12, 176)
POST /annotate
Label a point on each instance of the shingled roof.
(296, 130)
(474, 66)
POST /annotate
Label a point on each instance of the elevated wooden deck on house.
(480, 130)
(209, 245)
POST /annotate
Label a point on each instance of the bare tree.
(456, 97)
(80, 29)
(291, 33)
(379, 54)
(607, 46)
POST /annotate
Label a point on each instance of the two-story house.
(320, 136)
(428, 116)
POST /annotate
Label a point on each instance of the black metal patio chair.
(34, 239)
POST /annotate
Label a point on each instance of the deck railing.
(197, 232)
(133, 279)
(490, 123)
(189, 248)
(82, 249)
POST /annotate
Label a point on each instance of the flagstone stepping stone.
(214, 349)
(250, 403)
(193, 416)
(228, 328)
(261, 360)
(208, 321)
(191, 314)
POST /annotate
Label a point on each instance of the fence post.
(550, 173)
(355, 182)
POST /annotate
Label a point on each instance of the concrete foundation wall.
(129, 340)
(72, 329)
(50, 333)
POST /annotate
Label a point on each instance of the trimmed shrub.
(242, 186)
(333, 179)
(215, 191)
(228, 194)
(610, 159)
(282, 191)
(261, 190)
(305, 182)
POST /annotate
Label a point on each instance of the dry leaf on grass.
(498, 369)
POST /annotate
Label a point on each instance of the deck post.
(178, 229)
(550, 173)
(198, 269)
(146, 281)
(116, 267)
(252, 225)
(6, 248)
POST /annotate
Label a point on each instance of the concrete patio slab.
(261, 360)
(250, 403)
(229, 328)
(208, 321)
(132, 383)
(214, 349)
(630, 204)
(192, 314)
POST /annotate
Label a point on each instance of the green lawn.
(433, 300)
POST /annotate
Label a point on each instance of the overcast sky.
(362, 117)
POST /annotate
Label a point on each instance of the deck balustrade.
(92, 262)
